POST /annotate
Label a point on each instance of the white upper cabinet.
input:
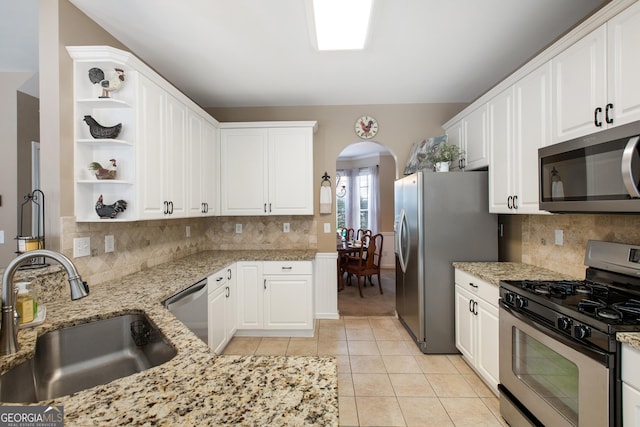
(519, 124)
(579, 87)
(470, 134)
(267, 168)
(595, 80)
(154, 150)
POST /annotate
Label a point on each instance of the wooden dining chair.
(347, 233)
(363, 232)
(366, 262)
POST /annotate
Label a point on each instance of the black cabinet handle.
(171, 210)
(608, 119)
(470, 306)
(228, 273)
(269, 207)
(227, 293)
(597, 122)
(510, 202)
(219, 279)
(472, 285)
(475, 308)
(166, 207)
(265, 208)
(264, 283)
(515, 202)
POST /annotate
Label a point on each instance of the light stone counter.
(631, 338)
(493, 272)
(196, 387)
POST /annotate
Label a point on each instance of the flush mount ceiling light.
(340, 24)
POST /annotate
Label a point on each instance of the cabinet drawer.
(478, 287)
(216, 280)
(287, 267)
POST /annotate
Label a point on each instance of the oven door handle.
(594, 354)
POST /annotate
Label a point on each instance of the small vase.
(442, 167)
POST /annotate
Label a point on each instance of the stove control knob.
(564, 323)
(581, 332)
(520, 302)
(509, 297)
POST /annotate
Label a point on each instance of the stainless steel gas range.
(559, 358)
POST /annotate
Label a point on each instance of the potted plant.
(442, 155)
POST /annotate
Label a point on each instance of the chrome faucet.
(8, 328)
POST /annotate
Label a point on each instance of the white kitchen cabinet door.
(216, 317)
(251, 288)
(202, 167)
(243, 166)
(231, 308)
(151, 110)
(456, 136)
(175, 165)
(290, 171)
(465, 324)
(532, 130)
(580, 87)
(476, 145)
(288, 303)
(623, 39)
(488, 343)
(501, 174)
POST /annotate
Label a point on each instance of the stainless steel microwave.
(594, 173)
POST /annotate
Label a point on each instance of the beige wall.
(9, 85)
(400, 127)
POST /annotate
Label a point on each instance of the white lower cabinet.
(630, 386)
(476, 318)
(275, 295)
(221, 308)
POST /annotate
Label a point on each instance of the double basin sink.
(78, 357)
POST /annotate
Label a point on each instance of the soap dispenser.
(26, 304)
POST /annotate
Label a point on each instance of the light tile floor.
(384, 379)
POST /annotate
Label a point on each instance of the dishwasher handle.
(188, 295)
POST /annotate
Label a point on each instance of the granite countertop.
(493, 272)
(196, 387)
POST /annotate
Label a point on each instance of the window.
(352, 199)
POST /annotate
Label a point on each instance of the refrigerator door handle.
(401, 255)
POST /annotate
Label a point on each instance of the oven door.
(560, 382)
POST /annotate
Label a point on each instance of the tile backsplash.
(538, 238)
(143, 244)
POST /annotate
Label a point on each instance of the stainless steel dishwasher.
(190, 307)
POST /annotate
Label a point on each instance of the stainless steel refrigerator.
(440, 217)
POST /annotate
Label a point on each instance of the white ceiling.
(225, 53)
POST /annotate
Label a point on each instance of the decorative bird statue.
(96, 75)
(104, 173)
(98, 131)
(110, 211)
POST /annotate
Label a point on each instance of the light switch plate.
(188, 231)
(109, 243)
(238, 228)
(327, 227)
(286, 227)
(1, 237)
(559, 238)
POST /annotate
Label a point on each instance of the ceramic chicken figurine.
(96, 75)
(110, 211)
(102, 132)
(104, 173)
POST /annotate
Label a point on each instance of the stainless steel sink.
(75, 358)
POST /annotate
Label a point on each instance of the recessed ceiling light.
(341, 24)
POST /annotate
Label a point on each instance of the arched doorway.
(365, 176)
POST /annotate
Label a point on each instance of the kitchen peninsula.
(196, 387)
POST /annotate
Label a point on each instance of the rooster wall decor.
(104, 173)
(99, 132)
(110, 211)
(96, 75)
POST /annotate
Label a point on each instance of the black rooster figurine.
(110, 211)
(98, 131)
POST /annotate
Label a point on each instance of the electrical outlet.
(559, 238)
(188, 231)
(327, 227)
(81, 247)
(286, 227)
(238, 228)
(1, 237)
(109, 243)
